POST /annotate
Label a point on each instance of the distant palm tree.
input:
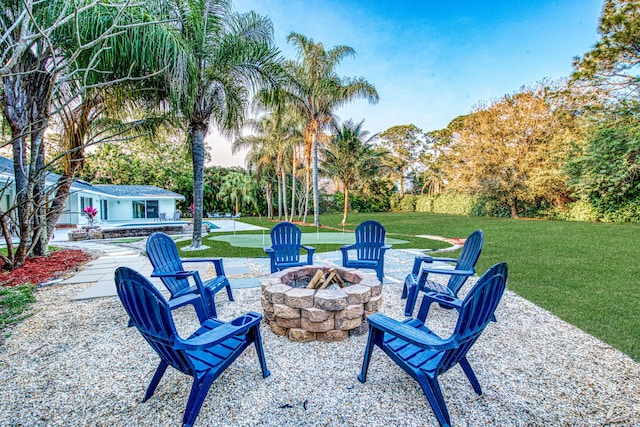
(273, 144)
(232, 54)
(239, 188)
(351, 158)
(315, 90)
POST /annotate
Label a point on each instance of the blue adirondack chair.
(167, 265)
(285, 247)
(204, 355)
(423, 354)
(464, 267)
(369, 248)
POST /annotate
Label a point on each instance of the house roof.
(116, 191)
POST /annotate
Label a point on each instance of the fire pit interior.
(313, 302)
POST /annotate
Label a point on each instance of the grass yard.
(585, 273)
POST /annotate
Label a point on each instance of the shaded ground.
(42, 269)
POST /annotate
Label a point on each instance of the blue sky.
(430, 60)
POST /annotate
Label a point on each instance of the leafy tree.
(607, 172)
(350, 158)
(315, 89)
(232, 54)
(240, 189)
(512, 150)
(272, 149)
(405, 143)
(613, 62)
(59, 50)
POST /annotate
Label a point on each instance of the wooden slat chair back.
(369, 248)
(286, 246)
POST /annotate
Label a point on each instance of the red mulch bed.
(42, 269)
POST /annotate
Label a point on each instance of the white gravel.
(77, 364)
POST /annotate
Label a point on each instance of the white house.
(115, 203)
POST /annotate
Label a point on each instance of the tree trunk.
(197, 132)
(279, 195)
(346, 205)
(293, 185)
(316, 190)
(284, 194)
(269, 194)
(16, 112)
(513, 206)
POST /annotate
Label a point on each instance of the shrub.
(408, 203)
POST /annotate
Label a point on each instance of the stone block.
(332, 336)
(346, 324)
(374, 304)
(269, 316)
(288, 323)
(374, 284)
(324, 326)
(351, 312)
(360, 330)
(358, 294)
(315, 314)
(278, 330)
(275, 293)
(300, 335)
(331, 299)
(266, 305)
(281, 310)
(299, 297)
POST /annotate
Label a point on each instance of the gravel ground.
(77, 364)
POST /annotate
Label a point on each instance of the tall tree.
(68, 43)
(239, 188)
(351, 158)
(233, 55)
(614, 61)
(405, 143)
(315, 89)
(512, 150)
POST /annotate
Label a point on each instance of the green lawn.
(586, 273)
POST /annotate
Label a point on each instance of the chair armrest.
(443, 299)
(386, 247)
(217, 263)
(417, 262)
(310, 251)
(268, 251)
(238, 326)
(409, 333)
(348, 247)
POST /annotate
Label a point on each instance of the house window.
(145, 208)
(85, 202)
(104, 210)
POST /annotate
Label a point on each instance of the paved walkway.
(242, 272)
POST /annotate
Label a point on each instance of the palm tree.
(350, 158)
(240, 188)
(315, 90)
(233, 55)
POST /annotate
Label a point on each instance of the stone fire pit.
(330, 314)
